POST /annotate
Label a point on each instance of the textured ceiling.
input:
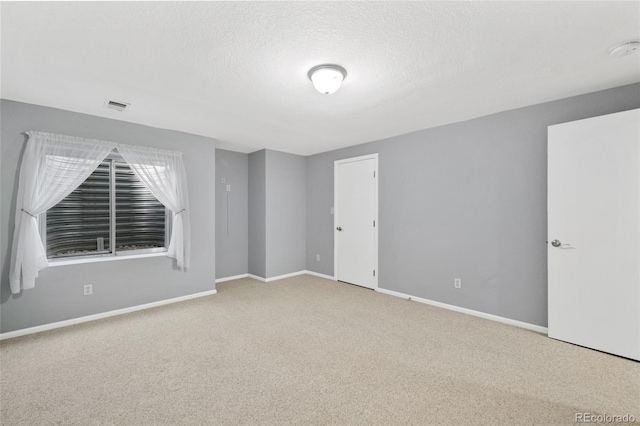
(237, 71)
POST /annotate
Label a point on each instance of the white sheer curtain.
(163, 173)
(52, 167)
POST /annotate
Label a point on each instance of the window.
(55, 166)
(110, 213)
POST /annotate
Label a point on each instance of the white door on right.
(594, 233)
(356, 211)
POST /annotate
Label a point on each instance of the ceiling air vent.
(117, 105)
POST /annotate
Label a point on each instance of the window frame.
(112, 254)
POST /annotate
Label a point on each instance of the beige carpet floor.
(306, 351)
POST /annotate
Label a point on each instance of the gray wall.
(232, 239)
(277, 220)
(257, 214)
(58, 294)
(286, 178)
(465, 200)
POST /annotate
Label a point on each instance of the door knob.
(565, 246)
(339, 228)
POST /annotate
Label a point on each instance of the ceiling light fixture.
(327, 78)
(624, 49)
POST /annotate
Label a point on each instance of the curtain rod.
(81, 140)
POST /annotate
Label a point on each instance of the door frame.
(336, 163)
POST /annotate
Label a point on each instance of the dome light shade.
(327, 78)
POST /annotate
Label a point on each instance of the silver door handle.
(558, 244)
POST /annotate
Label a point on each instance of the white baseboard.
(255, 277)
(281, 277)
(526, 325)
(66, 323)
(234, 277)
(318, 274)
(276, 278)
(293, 274)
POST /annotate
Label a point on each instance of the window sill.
(79, 260)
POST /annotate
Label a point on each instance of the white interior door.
(594, 233)
(356, 214)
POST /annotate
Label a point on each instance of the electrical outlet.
(228, 188)
(317, 258)
(457, 283)
(88, 289)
